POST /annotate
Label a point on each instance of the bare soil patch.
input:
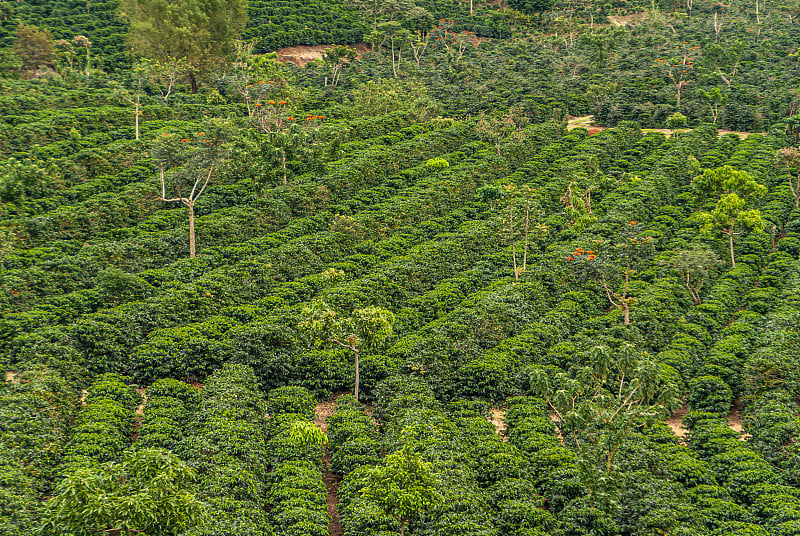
(12, 377)
(140, 407)
(676, 422)
(497, 416)
(587, 122)
(625, 20)
(301, 55)
(323, 410)
(735, 420)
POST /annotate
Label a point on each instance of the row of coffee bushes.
(353, 436)
(294, 265)
(770, 376)
(169, 409)
(99, 21)
(105, 425)
(93, 205)
(37, 407)
(153, 249)
(494, 373)
(19, 97)
(482, 481)
(664, 485)
(750, 479)
(96, 205)
(296, 499)
(275, 25)
(227, 444)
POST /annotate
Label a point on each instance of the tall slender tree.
(186, 166)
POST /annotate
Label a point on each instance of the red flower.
(570, 258)
(184, 139)
(633, 222)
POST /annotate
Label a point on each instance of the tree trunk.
(394, 69)
(730, 248)
(358, 375)
(626, 313)
(795, 191)
(137, 117)
(193, 81)
(192, 249)
(693, 292)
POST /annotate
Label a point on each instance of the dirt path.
(676, 422)
(735, 420)
(322, 411)
(497, 416)
(587, 122)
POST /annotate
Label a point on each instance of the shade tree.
(788, 159)
(366, 328)
(186, 167)
(149, 492)
(695, 266)
(612, 263)
(202, 32)
(730, 189)
(600, 404)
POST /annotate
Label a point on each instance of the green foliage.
(710, 394)
(728, 218)
(202, 33)
(150, 491)
(404, 487)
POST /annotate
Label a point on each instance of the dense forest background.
(471, 269)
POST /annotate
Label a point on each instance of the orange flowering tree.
(257, 78)
(289, 145)
(717, 9)
(455, 43)
(612, 263)
(187, 165)
(678, 67)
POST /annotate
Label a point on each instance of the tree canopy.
(201, 31)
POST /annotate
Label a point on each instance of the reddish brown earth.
(302, 54)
